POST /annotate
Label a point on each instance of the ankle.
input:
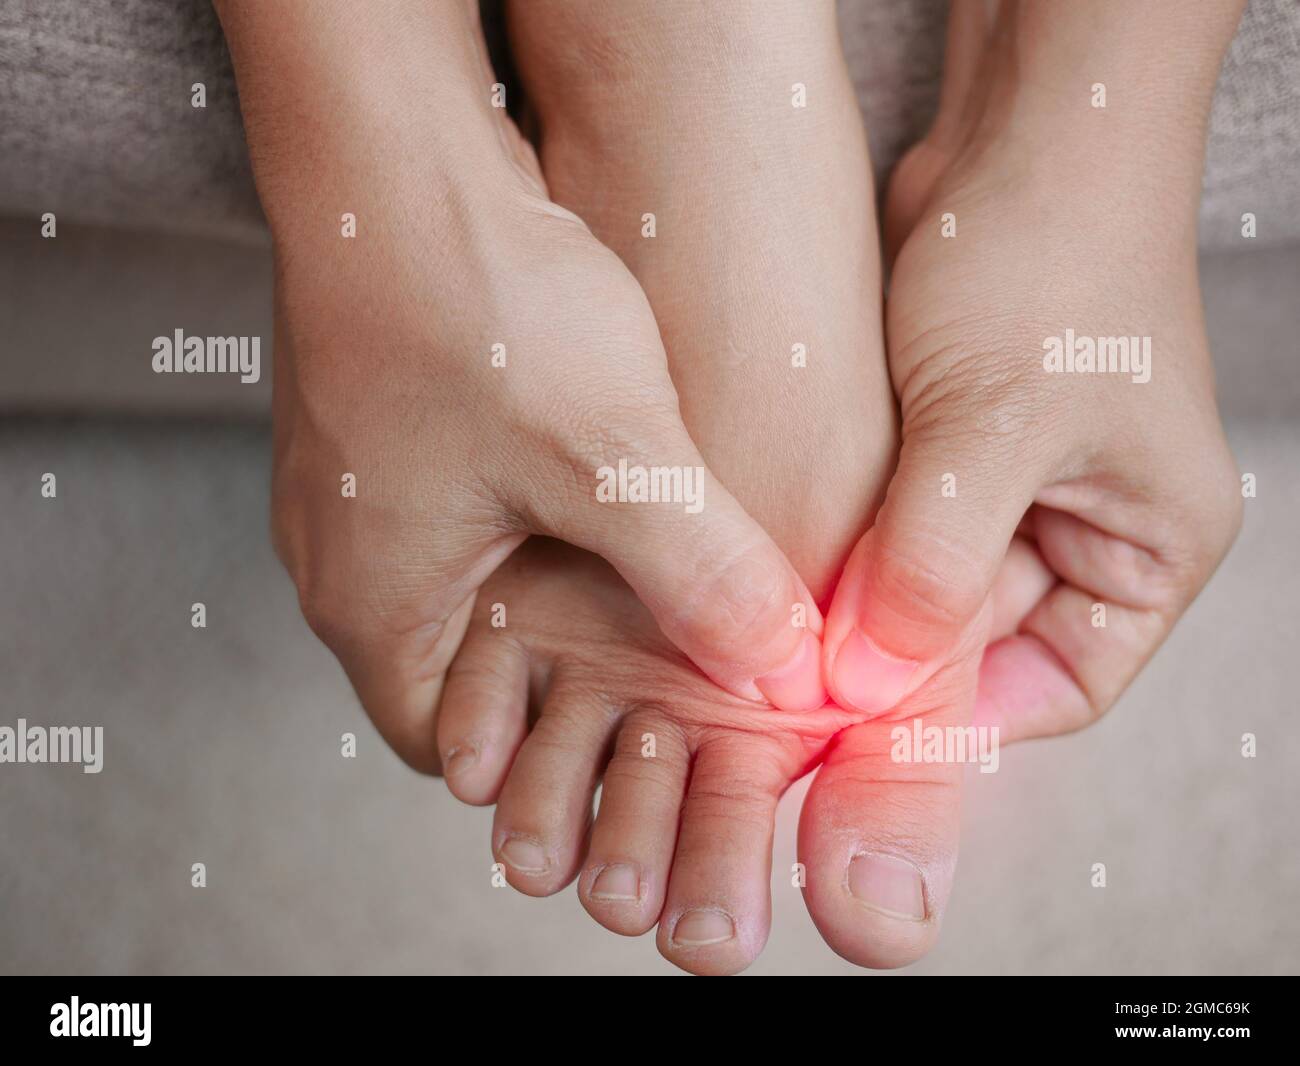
(610, 69)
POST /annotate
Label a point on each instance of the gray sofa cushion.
(96, 122)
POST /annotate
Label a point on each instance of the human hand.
(1047, 528)
(458, 376)
(1116, 486)
(701, 140)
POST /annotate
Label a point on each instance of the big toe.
(878, 840)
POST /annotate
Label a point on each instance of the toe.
(878, 839)
(483, 717)
(626, 873)
(544, 808)
(718, 910)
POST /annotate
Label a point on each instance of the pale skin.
(766, 238)
(387, 370)
(683, 838)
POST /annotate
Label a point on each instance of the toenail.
(459, 760)
(619, 881)
(526, 856)
(888, 884)
(695, 929)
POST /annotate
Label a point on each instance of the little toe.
(483, 717)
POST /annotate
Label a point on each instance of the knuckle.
(727, 800)
(649, 719)
(628, 767)
(742, 788)
(567, 734)
(580, 438)
(327, 615)
(736, 765)
(1227, 509)
(628, 761)
(747, 597)
(340, 608)
(926, 583)
(863, 767)
(600, 434)
(1207, 518)
(971, 397)
(981, 366)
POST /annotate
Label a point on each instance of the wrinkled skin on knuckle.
(370, 572)
(1221, 507)
(926, 582)
(1205, 522)
(591, 428)
(330, 614)
(565, 730)
(987, 396)
(746, 774)
(744, 601)
(628, 761)
(1185, 495)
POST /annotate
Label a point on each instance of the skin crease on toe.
(683, 832)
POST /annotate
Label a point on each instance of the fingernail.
(459, 760)
(697, 928)
(866, 678)
(797, 686)
(524, 855)
(619, 881)
(890, 885)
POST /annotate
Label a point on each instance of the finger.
(1083, 643)
(718, 586)
(1060, 673)
(1022, 581)
(919, 578)
(392, 616)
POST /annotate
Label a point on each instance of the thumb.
(716, 583)
(918, 580)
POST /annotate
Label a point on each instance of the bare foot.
(691, 774)
(764, 277)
